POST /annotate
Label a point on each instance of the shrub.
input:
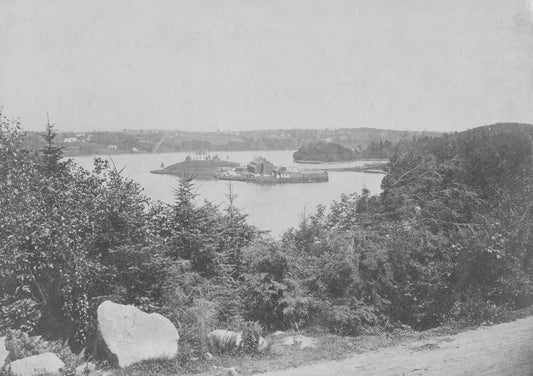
(268, 289)
(251, 334)
(475, 311)
(21, 345)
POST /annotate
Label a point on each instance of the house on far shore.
(70, 140)
(261, 166)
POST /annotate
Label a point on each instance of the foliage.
(72, 238)
(251, 335)
(21, 345)
(378, 150)
(272, 296)
(324, 152)
(59, 230)
(449, 238)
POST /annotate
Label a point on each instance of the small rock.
(209, 356)
(277, 333)
(224, 340)
(3, 351)
(262, 344)
(36, 365)
(103, 372)
(232, 371)
(305, 342)
(227, 371)
(423, 345)
(289, 341)
(302, 342)
(106, 372)
(85, 368)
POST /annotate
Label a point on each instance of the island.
(201, 166)
(320, 152)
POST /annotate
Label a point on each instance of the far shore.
(334, 162)
(112, 153)
(167, 152)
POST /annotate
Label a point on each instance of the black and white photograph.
(266, 187)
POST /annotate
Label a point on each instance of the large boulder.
(3, 352)
(131, 335)
(37, 365)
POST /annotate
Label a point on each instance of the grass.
(277, 357)
(329, 347)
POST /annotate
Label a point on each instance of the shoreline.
(271, 180)
(167, 152)
(302, 161)
(220, 151)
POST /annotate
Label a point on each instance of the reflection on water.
(269, 207)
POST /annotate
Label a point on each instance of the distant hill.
(324, 152)
(497, 157)
(523, 129)
(158, 141)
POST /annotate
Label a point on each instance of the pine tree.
(51, 154)
(184, 201)
(237, 234)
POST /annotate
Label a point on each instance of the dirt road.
(500, 350)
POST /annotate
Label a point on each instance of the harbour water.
(269, 207)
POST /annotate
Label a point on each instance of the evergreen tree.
(184, 201)
(51, 154)
(237, 234)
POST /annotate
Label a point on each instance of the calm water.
(269, 207)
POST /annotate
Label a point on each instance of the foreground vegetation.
(448, 240)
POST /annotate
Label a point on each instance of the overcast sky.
(258, 64)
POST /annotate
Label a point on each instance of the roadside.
(500, 350)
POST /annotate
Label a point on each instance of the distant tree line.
(324, 152)
(95, 142)
(332, 152)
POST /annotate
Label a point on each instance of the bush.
(269, 289)
(251, 334)
(475, 311)
(20, 345)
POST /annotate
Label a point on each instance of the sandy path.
(500, 350)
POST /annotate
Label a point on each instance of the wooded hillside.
(449, 239)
